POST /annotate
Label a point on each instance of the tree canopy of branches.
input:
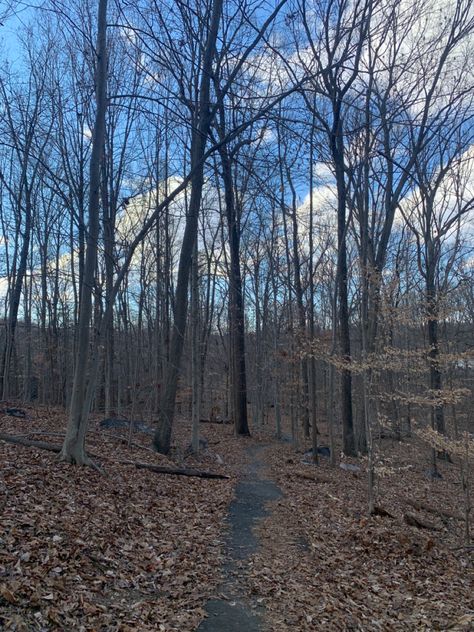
(301, 170)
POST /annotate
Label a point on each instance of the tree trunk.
(109, 213)
(73, 449)
(312, 361)
(16, 296)
(195, 352)
(433, 354)
(237, 314)
(342, 288)
(162, 438)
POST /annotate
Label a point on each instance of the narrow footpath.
(235, 611)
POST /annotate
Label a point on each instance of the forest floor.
(134, 550)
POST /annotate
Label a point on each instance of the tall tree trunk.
(236, 300)
(73, 449)
(109, 213)
(239, 383)
(298, 290)
(304, 368)
(312, 361)
(195, 352)
(342, 287)
(16, 295)
(162, 438)
(433, 344)
(28, 375)
(276, 377)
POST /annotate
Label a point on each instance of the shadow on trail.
(236, 612)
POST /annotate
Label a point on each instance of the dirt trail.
(236, 611)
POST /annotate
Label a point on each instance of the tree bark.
(437, 411)
(195, 352)
(236, 307)
(16, 294)
(342, 288)
(162, 438)
(73, 450)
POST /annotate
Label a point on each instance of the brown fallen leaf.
(49, 597)
(7, 594)
(464, 623)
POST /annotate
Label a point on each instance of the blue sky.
(10, 29)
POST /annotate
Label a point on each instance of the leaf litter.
(134, 550)
(131, 550)
(324, 564)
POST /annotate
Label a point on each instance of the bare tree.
(27, 131)
(73, 449)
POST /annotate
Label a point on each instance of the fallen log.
(14, 412)
(421, 506)
(415, 521)
(307, 476)
(107, 437)
(380, 511)
(161, 469)
(42, 445)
